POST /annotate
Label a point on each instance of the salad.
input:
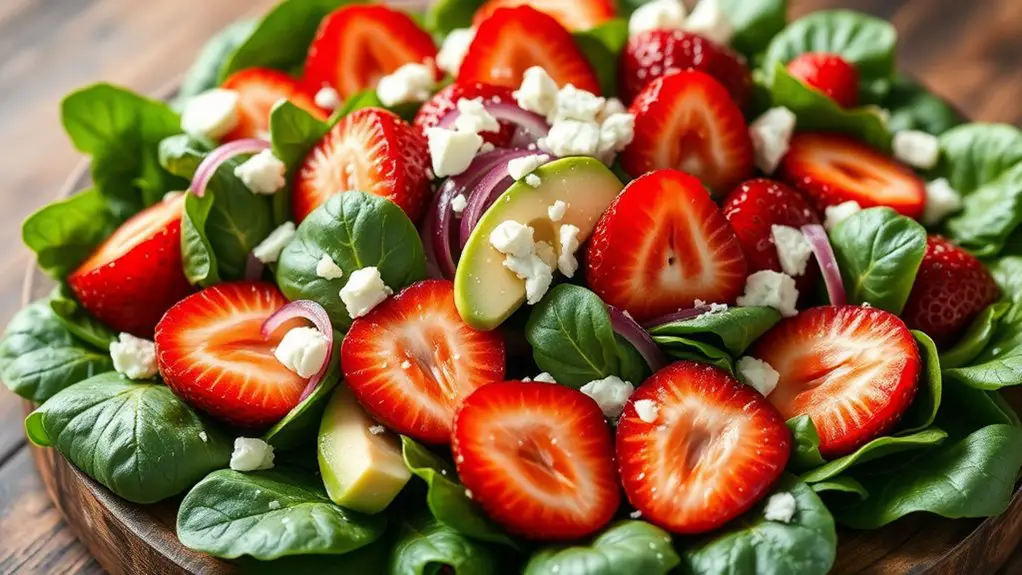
(567, 287)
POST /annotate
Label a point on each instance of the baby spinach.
(443, 16)
(879, 252)
(601, 46)
(78, 321)
(876, 449)
(425, 546)
(753, 545)
(755, 23)
(66, 232)
(923, 411)
(841, 485)
(301, 425)
(270, 514)
(204, 73)
(990, 214)
(293, 132)
(631, 365)
(973, 155)
(624, 547)
(734, 329)
(913, 107)
(681, 348)
(975, 338)
(805, 451)
(968, 409)
(137, 439)
(356, 230)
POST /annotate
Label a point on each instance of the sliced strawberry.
(661, 245)
(831, 169)
(539, 459)
(653, 54)
(513, 40)
(370, 150)
(853, 370)
(830, 74)
(259, 90)
(413, 360)
(446, 101)
(211, 353)
(136, 274)
(951, 289)
(753, 208)
(572, 14)
(359, 44)
(687, 121)
(713, 449)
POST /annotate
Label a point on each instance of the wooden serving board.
(140, 539)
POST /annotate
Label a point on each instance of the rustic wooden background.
(968, 51)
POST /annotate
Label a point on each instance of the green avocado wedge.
(485, 292)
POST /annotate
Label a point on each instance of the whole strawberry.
(830, 74)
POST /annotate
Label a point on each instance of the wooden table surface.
(967, 51)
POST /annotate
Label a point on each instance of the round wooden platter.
(131, 539)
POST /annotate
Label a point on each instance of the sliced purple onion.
(427, 229)
(640, 339)
(313, 312)
(680, 315)
(253, 267)
(213, 160)
(816, 235)
(530, 127)
(495, 183)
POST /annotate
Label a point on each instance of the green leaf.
(923, 411)
(805, 453)
(694, 350)
(443, 16)
(293, 132)
(973, 155)
(913, 107)
(356, 230)
(197, 254)
(631, 365)
(751, 544)
(426, 546)
(300, 426)
(876, 449)
(879, 252)
(624, 547)
(78, 321)
(137, 439)
(967, 409)
(841, 485)
(975, 338)
(204, 73)
(990, 214)
(64, 233)
(735, 328)
(602, 45)
(270, 514)
(755, 23)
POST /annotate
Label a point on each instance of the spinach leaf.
(356, 230)
(66, 232)
(197, 253)
(631, 365)
(967, 409)
(975, 338)
(204, 73)
(270, 514)
(425, 546)
(137, 439)
(841, 485)
(293, 132)
(300, 426)
(879, 447)
(446, 15)
(601, 46)
(751, 544)
(78, 321)
(734, 329)
(879, 252)
(685, 348)
(366, 560)
(976, 154)
(990, 214)
(624, 547)
(755, 23)
(923, 411)
(973, 477)
(121, 130)
(805, 453)
(913, 107)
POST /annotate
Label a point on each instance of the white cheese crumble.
(533, 180)
(515, 241)
(544, 377)
(780, 507)
(455, 47)
(263, 173)
(251, 454)
(303, 351)
(647, 410)
(941, 201)
(268, 250)
(657, 15)
(364, 291)
(474, 118)
(556, 210)
(328, 98)
(836, 214)
(610, 393)
(917, 149)
(458, 204)
(613, 106)
(377, 429)
(793, 249)
(538, 92)
(133, 357)
(771, 137)
(575, 104)
(328, 269)
(412, 82)
(571, 138)
(518, 168)
(616, 132)
(452, 151)
(709, 20)
(567, 237)
(211, 114)
(771, 289)
(758, 374)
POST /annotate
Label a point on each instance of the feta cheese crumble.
(709, 20)
(364, 291)
(452, 151)
(771, 137)
(544, 377)
(571, 138)
(657, 15)
(515, 241)
(941, 201)
(556, 211)
(268, 250)
(474, 118)
(455, 47)
(251, 454)
(917, 149)
(458, 204)
(780, 507)
(377, 429)
(133, 357)
(616, 132)
(793, 249)
(771, 289)
(328, 269)
(518, 168)
(647, 410)
(211, 114)
(412, 82)
(533, 180)
(263, 173)
(538, 92)
(839, 213)
(575, 104)
(758, 374)
(610, 393)
(613, 106)
(567, 236)
(303, 351)
(328, 98)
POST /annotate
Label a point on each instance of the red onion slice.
(531, 127)
(640, 339)
(213, 160)
(816, 235)
(253, 267)
(495, 183)
(313, 312)
(680, 315)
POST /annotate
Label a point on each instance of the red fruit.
(513, 40)
(413, 360)
(661, 245)
(831, 169)
(687, 121)
(136, 274)
(574, 15)
(656, 53)
(753, 208)
(714, 449)
(538, 458)
(370, 150)
(359, 44)
(211, 353)
(259, 89)
(951, 289)
(853, 370)
(446, 101)
(830, 74)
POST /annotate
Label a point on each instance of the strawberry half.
(538, 458)
(831, 169)
(259, 89)
(572, 14)
(830, 74)
(359, 44)
(714, 448)
(370, 150)
(653, 54)
(687, 121)
(413, 360)
(661, 245)
(513, 40)
(446, 101)
(211, 353)
(853, 370)
(951, 289)
(136, 274)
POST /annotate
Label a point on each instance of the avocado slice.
(361, 470)
(485, 292)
